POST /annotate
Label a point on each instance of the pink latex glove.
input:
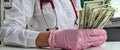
(77, 39)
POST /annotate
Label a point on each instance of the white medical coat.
(23, 12)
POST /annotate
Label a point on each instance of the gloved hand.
(77, 39)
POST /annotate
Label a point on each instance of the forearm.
(42, 39)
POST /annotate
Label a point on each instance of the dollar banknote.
(95, 14)
(99, 17)
(87, 10)
(106, 18)
(81, 19)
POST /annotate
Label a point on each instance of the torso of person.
(64, 11)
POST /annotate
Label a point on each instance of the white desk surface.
(106, 46)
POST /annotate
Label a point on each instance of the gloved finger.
(97, 38)
(96, 42)
(93, 37)
(96, 32)
(99, 42)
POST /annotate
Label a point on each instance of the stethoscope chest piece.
(55, 28)
(53, 7)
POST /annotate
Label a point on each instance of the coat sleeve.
(13, 32)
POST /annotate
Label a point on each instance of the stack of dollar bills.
(95, 14)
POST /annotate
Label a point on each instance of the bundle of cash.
(87, 10)
(95, 14)
(102, 12)
(106, 18)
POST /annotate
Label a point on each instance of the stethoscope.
(53, 7)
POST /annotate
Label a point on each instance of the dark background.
(113, 33)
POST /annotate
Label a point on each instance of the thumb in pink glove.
(77, 39)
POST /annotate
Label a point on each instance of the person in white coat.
(23, 12)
